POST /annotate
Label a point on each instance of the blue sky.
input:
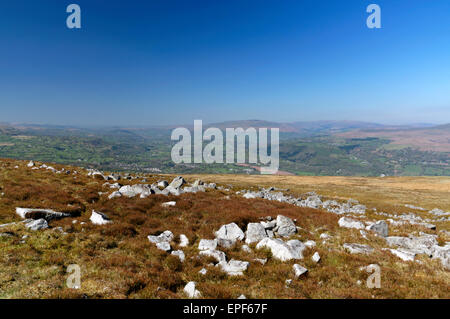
(170, 62)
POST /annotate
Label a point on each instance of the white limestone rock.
(234, 267)
(299, 270)
(37, 224)
(184, 241)
(191, 291)
(285, 226)
(207, 244)
(350, 223)
(255, 233)
(99, 218)
(316, 257)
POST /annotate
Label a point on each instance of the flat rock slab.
(358, 248)
(38, 213)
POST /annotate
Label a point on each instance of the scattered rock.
(99, 218)
(350, 223)
(285, 226)
(218, 255)
(191, 291)
(380, 228)
(165, 237)
(177, 182)
(179, 254)
(310, 243)
(261, 261)
(227, 235)
(163, 184)
(163, 246)
(280, 250)
(316, 257)
(37, 224)
(168, 204)
(234, 267)
(246, 248)
(184, 241)
(299, 270)
(403, 254)
(255, 233)
(207, 244)
(358, 248)
(37, 213)
(115, 194)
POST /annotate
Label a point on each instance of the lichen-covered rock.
(255, 233)
(380, 228)
(37, 224)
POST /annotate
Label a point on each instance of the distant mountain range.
(306, 148)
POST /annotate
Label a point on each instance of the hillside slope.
(118, 260)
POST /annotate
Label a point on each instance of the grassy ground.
(117, 260)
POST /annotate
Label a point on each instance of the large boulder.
(230, 232)
(255, 233)
(280, 250)
(180, 254)
(285, 226)
(299, 270)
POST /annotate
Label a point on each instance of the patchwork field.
(118, 260)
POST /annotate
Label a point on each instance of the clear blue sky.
(170, 62)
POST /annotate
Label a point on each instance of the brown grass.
(117, 260)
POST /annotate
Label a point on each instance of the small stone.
(99, 218)
(184, 241)
(164, 246)
(316, 257)
(179, 254)
(286, 226)
(169, 204)
(190, 290)
(299, 270)
(37, 224)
